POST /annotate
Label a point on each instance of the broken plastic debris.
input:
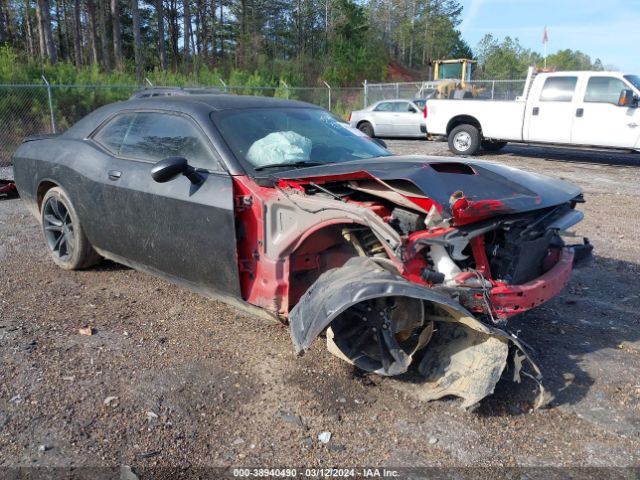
(151, 415)
(464, 357)
(324, 437)
(86, 331)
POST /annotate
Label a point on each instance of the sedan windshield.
(291, 138)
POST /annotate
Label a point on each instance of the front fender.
(465, 357)
(360, 279)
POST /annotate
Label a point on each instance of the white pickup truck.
(589, 109)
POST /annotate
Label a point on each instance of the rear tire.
(492, 146)
(367, 129)
(464, 140)
(66, 242)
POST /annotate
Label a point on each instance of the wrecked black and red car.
(274, 206)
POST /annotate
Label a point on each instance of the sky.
(608, 30)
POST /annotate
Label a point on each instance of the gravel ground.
(171, 379)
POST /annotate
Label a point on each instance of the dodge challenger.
(274, 206)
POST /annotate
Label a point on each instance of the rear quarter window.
(112, 134)
(154, 136)
(384, 107)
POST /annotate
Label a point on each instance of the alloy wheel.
(58, 228)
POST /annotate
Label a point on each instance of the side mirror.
(169, 168)
(627, 98)
(412, 110)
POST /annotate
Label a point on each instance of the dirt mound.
(399, 73)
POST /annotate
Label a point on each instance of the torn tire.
(457, 354)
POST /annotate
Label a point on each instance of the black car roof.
(214, 102)
(198, 106)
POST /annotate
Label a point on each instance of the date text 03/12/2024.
(315, 473)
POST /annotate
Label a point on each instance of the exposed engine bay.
(399, 279)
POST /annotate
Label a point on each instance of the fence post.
(493, 88)
(286, 88)
(224, 85)
(329, 88)
(53, 121)
(365, 93)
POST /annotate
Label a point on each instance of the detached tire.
(66, 242)
(464, 140)
(367, 129)
(490, 146)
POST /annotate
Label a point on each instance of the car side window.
(604, 90)
(112, 134)
(402, 107)
(384, 107)
(155, 136)
(558, 89)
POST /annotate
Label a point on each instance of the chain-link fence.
(42, 108)
(340, 100)
(480, 89)
(497, 89)
(36, 109)
(24, 110)
(39, 109)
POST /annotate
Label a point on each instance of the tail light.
(350, 113)
(424, 110)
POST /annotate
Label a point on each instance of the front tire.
(64, 237)
(464, 140)
(367, 129)
(492, 146)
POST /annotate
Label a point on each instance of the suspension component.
(365, 242)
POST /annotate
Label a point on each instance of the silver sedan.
(391, 118)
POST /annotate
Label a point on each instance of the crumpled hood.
(494, 188)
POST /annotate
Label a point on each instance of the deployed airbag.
(279, 147)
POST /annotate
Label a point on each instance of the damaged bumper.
(372, 321)
(510, 300)
(504, 300)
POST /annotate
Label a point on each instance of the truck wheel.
(367, 129)
(68, 246)
(464, 140)
(492, 146)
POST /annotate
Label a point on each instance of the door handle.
(579, 112)
(114, 175)
(535, 111)
(632, 125)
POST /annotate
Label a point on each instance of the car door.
(406, 120)
(181, 230)
(382, 115)
(550, 115)
(600, 121)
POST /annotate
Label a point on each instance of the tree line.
(508, 59)
(303, 42)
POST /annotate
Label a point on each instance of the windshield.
(291, 138)
(634, 80)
